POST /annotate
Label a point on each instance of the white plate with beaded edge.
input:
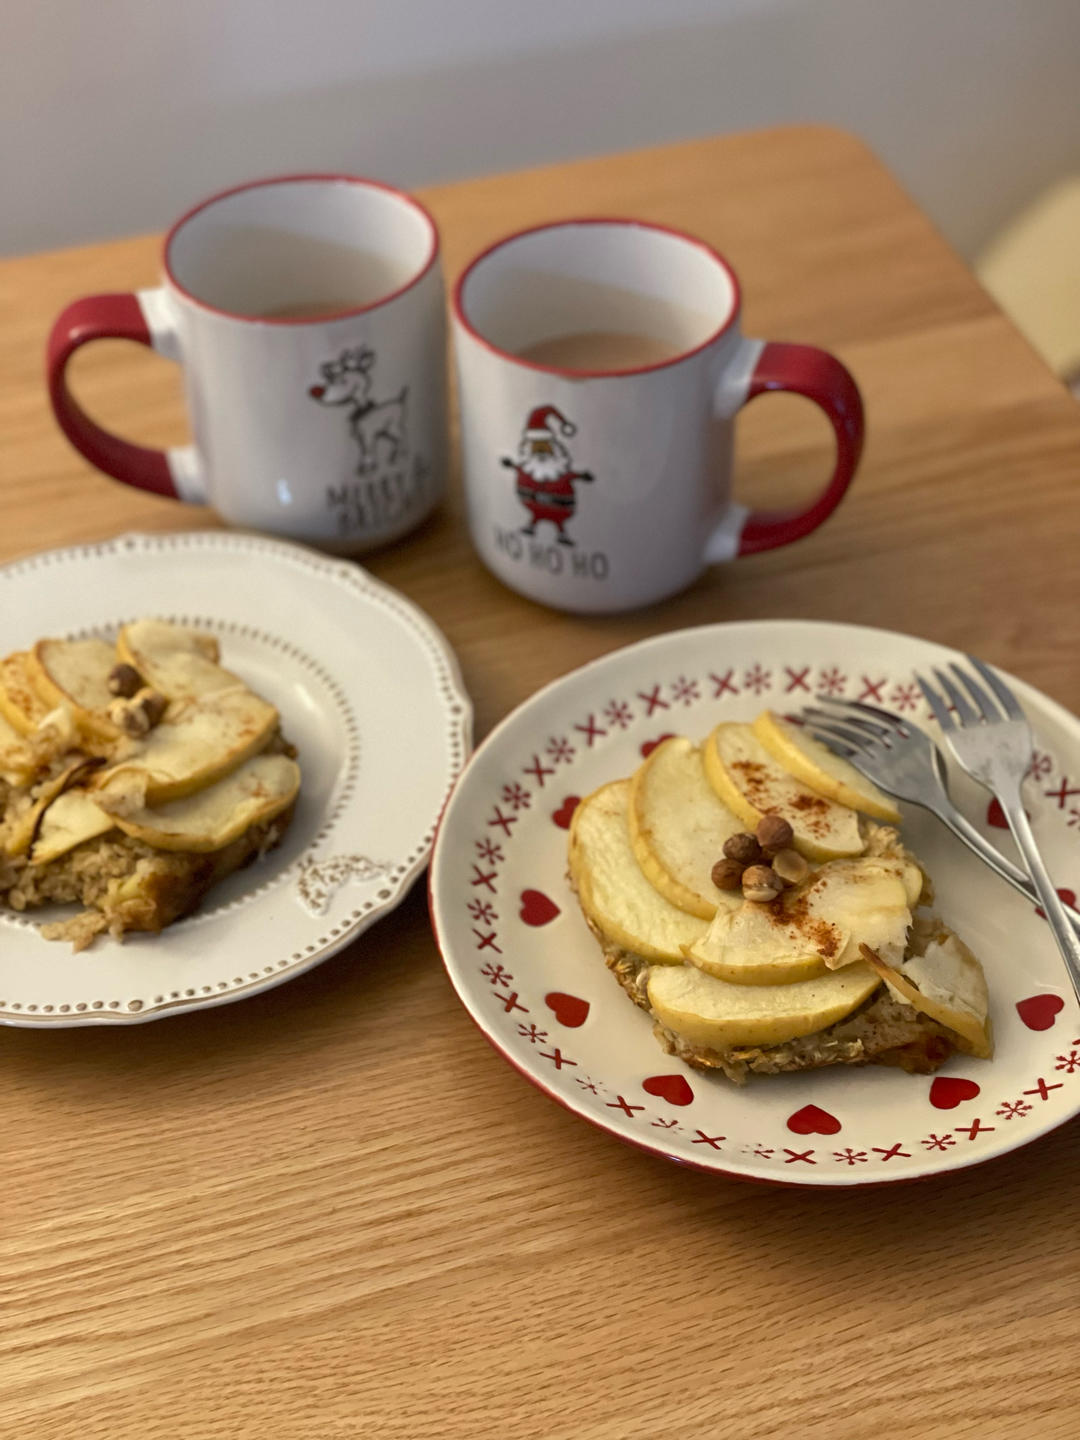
(528, 971)
(368, 691)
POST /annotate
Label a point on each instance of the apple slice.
(25, 830)
(176, 661)
(830, 775)
(614, 894)
(751, 783)
(710, 1012)
(213, 818)
(71, 819)
(75, 673)
(20, 704)
(200, 742)
(947, 983)
(17, 763)
(811, 928)
(678, 826)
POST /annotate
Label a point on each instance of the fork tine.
(990, 712)
(933, 699)
(853, 739)
(831, 742)
(956, 699)
(864, 709)
(1009, 702)
(823, 717)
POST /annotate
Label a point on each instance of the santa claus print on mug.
(546, 488)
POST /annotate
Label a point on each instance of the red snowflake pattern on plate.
(560, 750)
(850, 1157)
(905, 698)
(832, 681)
(617, 713)
(756, 679)
(684, 691)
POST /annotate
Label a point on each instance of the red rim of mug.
(565, 372)
(313, 178)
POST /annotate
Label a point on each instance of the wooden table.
(211, 1227)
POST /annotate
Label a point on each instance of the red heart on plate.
(948, 1091)
(650, 745)
(1069, 896)
(565, 813)
(567, 1009)
(1038, 1012)
(675, 1089)
(812, 1120)
(996, 816)
(536, 908)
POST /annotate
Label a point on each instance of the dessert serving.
(753, 894)
(134, 777)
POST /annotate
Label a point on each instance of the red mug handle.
(805, 370)
(104, 317)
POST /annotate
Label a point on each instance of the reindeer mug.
(600, 366)
(307, 315)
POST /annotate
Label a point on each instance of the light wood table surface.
(332, 1210)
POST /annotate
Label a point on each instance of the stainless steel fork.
(903, 760)
(991, 740)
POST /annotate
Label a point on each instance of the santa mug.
(600, 366)
(307, 315)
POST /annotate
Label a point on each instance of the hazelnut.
(774, 833)
(153, 704)
(790, 866)
(727, 874)
(743, 848)
(761, 884)
(124, 680)
(137, 715)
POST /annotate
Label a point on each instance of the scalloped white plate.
(532, 977)
(368, 690)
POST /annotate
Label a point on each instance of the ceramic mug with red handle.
(308, 317)
(600, 367)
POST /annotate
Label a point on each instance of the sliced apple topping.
(830, 775)
(945, 982)
(752, 784)
(70, 820)
(23, 834)
(197, 744)
(20, 704)
(710, 1012)
(678, 826)
(213, 817)
(816, 926)
(75, 673)
(614, 893)
(177, 662)
(17, 762)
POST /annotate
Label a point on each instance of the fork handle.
(1067, 940)
(1000, 864)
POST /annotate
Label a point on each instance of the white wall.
(116, 114)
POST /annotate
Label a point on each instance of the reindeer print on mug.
(390, 488)
(348, 383)
(546, 485)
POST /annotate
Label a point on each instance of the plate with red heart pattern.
(531, 975)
